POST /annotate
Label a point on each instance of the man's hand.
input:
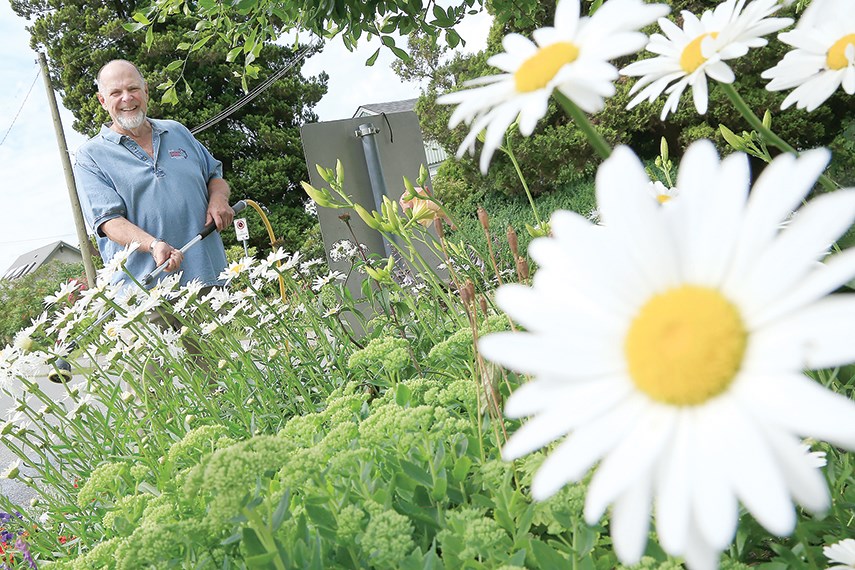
(219, 211)
(162, 251)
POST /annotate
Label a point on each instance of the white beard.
(130, 123)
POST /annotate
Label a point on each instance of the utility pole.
(76, 212)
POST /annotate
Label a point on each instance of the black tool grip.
(237, 208)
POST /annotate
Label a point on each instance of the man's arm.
(219, 210)
(123, 232)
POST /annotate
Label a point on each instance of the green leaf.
(417, 473)
(133, 27)
(169, 96)
(402, 395)
(373, 59)
(233, 53)
(245, 6)
(261, 561)
(175, 64)
(461, 468)
(731, 138)
(252, 543)
(401, 54)
(282, 512)
(440, 486)
(452, 38)
(546, 556)
(141, 18)
(321, 516)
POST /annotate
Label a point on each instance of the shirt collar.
(157, 128)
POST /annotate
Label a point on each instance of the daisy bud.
(222, 364)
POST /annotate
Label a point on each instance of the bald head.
(116, 65)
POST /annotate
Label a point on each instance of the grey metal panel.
(401, 153)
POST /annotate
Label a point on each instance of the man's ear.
(101, 99)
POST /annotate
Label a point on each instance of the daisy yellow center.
(836, 56)
(692, 57)
(662, 198)
(685, 346)
(537, 71)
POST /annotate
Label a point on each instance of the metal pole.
(76, 212)
(366, 132)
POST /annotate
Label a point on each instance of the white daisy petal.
(584, 447)
(755, 477)
(673, 494)
(582, 404)
(823, 415)
(635, 454)
(806, 482)
(631, 520)
(627, 210)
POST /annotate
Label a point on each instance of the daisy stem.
(765, 131)
(594, 137)
(510, 152)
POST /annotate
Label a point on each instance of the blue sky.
(37, 209)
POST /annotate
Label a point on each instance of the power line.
(15, 118)
(254, 93)
(36, 239)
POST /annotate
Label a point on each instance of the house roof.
(32, 260)
(388, 107)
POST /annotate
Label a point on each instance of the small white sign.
(241, 229)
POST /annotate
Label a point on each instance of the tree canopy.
(259, 143)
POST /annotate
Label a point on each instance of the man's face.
(124, 95)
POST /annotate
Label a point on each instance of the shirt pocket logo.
(178, 153)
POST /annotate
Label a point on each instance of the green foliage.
(244, 26)
(22, 299)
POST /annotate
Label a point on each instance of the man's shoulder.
(93, 144)
(169, 125)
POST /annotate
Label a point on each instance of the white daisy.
(236, 269)
(668, 345)
(12, 470)
(687, 56)
(572, 57)
(660, 192)
(842, 552)
(63, 292)
(824, 58)
(115, 263)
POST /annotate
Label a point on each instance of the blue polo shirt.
(167, 195)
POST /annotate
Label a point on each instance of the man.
(151, 182)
